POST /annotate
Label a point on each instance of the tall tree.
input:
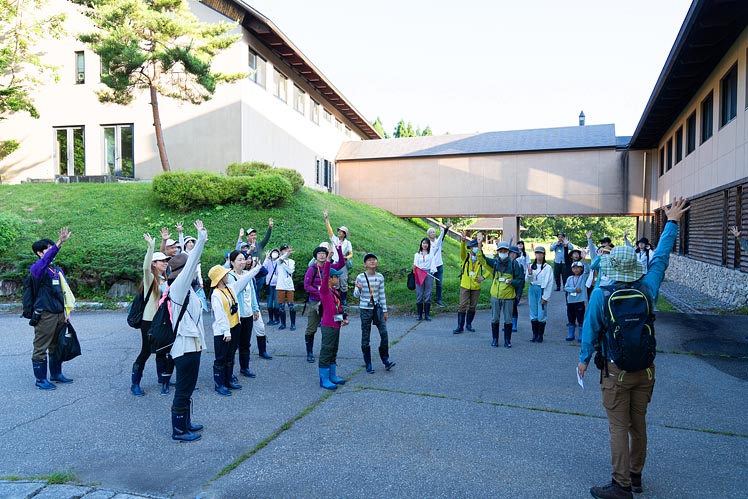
(23, 24)
(158, 45)
(379, 127)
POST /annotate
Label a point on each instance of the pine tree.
(380, 128)
(158, 45)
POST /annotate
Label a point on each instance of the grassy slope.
(108, 220)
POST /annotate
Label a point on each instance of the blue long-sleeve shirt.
(593, 321)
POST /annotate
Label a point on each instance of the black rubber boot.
(164, 368)
(262, 345)
(534, 325)
(367, 359)
(218, 375)
(282, 316)
(469, 321)
(228, 377)
(460, 323)
(384, 354)
(292, 315)
(508, 335)
(419, 308)
(179, 429)
(426, 311)
(190, 426)
(135, 377)
(309, 348)
(541, 331)
(40, 373)
(495, 334)
(55, 371)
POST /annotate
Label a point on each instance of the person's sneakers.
(440, 304)
(636, 483)
(612, 491)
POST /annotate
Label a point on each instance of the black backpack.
(29, 296)
(628, 321)
(137, 307)
(161, 335)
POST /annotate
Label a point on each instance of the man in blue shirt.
(626, 394)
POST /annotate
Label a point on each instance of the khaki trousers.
(45, 335)
(625, 398)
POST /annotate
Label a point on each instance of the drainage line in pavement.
(706, 355)
(705, 430)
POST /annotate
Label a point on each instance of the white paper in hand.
(580, 380)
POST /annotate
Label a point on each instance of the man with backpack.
(508, 281)
(619, 325)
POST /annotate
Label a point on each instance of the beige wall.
(721, 159)
(242, 122)
(585, 182)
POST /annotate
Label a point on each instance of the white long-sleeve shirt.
(286, 267)
(221, 299)
(190, 335)
(436, 248)
(541, 276)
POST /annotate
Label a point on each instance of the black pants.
(225, 350)
(188, 365)
(515, 313)
(575, 313)
(164, 361)
(245, 335)
(328, 353)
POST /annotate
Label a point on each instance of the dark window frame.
(691, 133)
(669, 154)
(679, 145)
(728, 96)
(707, 117)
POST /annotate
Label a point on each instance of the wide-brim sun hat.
(160, 257)
(344, 229)
(171, 242)
(621, 265)
(216, 273)
(176, 264)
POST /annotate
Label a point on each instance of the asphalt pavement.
(454, 418)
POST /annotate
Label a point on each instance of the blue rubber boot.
(218, 377)
(334, 377)
(55, 371)
(136, 376)
(40, 373)
(324, 379)
(570, 337)
(179, 431)
(514, 324)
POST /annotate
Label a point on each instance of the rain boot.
(271, 317)
(163, 374)
(460, 323)
(508, 335)
(324, 379)
(495, 334)
(292, 315)
(190, 426)
(367, 359)
(419, 307)
(55, 371)
(514, 324)
(228, 377)
(282, 315)
(135, 377)
(334, 376)
(262, 343)
(426, 311)
(218, 374)
(570, 336)
(541, 331)
(384, 354)
(534, 325)
(469, 321)
(244, 366)
(40, 373)
(309, 348)
(179, 429)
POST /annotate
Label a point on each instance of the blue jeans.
(537, 309)
(438, 283)
(272, 300)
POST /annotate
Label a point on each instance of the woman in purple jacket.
(333, 318)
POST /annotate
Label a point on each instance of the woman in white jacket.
(540, 277)
(284, 287)
(249, 310)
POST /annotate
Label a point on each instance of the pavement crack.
(42, 416)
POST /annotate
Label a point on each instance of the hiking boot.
(636, 483)
(612, 491)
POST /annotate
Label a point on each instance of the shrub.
(185, 191)
(10, 229)
(247, 169)
(268, 190)
(297, 181)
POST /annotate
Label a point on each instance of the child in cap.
(575, 300)
(373, 310)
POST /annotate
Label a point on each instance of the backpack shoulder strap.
(181, 312)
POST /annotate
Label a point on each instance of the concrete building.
(286, 112)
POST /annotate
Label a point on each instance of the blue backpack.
(629, 326)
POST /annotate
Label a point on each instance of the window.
(728, 96)
(678, 145)
(707, 118)
(339, 125)
(662, 161)
(328, 116)
(348, 131)
(279, 85)
(70, 150)
(314, 111)
(299, 99)
(256, 68)
(691, 133)
(669, 153)
(80, 68)
(119, 151)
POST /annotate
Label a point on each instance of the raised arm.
(182, 284)
(147, 275)
(38, 267)
(341, 261)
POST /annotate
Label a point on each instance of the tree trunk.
(159, 132)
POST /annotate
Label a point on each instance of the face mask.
(503, 256)
(274, 256)
(475, 251)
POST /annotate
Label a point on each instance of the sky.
(487, 65)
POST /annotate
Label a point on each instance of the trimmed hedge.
(247, 169)
(266, 191)
(294, 177)
(10, 229)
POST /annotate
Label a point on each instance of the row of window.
(258, 73)
(119, 154)
(728, 110)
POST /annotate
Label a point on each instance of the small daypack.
(29, 297)
(628, 322)
(137, 307)
(161, 335)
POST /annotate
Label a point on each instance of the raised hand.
(676, 210)
(148, 238)
(199, 226)
(479, 237)
(241, 232)
(625, 234)
(179, 226)
(64, 234)
(325, 214)
(270, 223)
(589, 234)
(734, 231)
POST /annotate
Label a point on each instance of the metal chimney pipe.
(581, 118)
